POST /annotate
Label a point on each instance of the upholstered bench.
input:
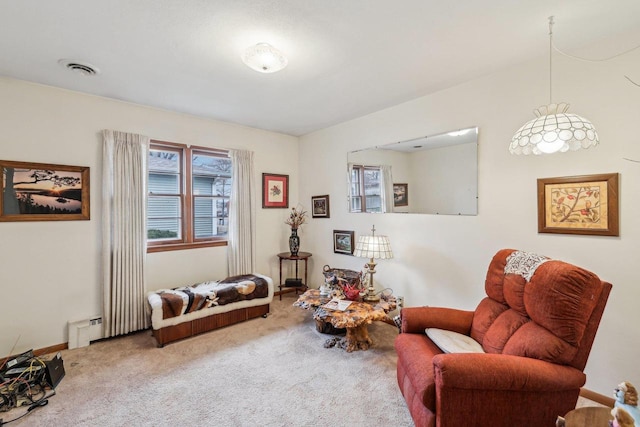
(189, 310)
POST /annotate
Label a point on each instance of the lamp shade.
(377, 247)
(264, 58)
(552, 131)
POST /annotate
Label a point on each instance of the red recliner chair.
(536, 327)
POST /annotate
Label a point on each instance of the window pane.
(207, 170)
(163, 229)
(163, 207)
(374, 204)
(164, 161)
(163, 218)
(164, 184)
(356, 204)
(203, 185)
(210, 217)
(371, 182)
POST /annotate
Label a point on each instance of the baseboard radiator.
(82, 332)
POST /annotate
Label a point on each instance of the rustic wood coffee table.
(587, 416)
(354, 319)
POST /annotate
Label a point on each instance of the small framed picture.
(343, 242)
(320, 206)
(400, 194)
(275, 190)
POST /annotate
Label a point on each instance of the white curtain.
(386, 188)
(124, 195)
(242, 215)
(349, 186)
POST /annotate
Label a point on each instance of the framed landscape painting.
(43, 192)
(275, 190)
(586, 204)
(343, 242)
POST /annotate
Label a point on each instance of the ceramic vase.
(294, 242)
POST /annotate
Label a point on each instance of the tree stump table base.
(354, 320)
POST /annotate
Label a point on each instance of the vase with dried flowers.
(297, 217)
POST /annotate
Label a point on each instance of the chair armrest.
(503, 372)
(416, 319)
(502, 391)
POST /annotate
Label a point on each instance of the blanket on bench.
(187, 299)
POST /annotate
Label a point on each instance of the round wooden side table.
(302, 256)
(587, 416)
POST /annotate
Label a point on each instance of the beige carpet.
(263, 372)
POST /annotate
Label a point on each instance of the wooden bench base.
(209, 323)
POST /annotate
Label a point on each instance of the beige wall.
(50, 272)
(441, 260)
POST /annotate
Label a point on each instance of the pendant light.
(553, 130)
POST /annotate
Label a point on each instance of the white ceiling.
(347, 58)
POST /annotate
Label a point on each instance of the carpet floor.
(263, 372)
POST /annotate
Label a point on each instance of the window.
(366, 189)
(188, 203)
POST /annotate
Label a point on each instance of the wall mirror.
(434, 174)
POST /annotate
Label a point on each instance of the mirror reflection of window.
(441, 170)
(365, 189)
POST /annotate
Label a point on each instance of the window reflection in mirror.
(365, 189)
(436, 174)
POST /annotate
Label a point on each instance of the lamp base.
(371, 296)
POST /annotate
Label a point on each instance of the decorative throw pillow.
(453, 342)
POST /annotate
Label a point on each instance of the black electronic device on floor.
(55, 370)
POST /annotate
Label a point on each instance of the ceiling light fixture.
(264, 58)
(554, 129)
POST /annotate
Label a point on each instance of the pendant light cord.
(550, 59)
(557, 49)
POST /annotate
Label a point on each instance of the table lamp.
(372, 247)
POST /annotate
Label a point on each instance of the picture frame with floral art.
(585, 204)
(275, 190)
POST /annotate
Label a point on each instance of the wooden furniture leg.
(357, 338)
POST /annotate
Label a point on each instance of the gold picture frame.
(585, 204)
(43, 192)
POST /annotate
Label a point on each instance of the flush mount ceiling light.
(264, 58)
(79, 67)
(554, 129)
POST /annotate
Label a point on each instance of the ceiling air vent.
(79, 67)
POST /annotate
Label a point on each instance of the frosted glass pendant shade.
(554, 130)
(264, 58)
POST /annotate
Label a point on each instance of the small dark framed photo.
(400, 194)
(343, 242)
(320, 206)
